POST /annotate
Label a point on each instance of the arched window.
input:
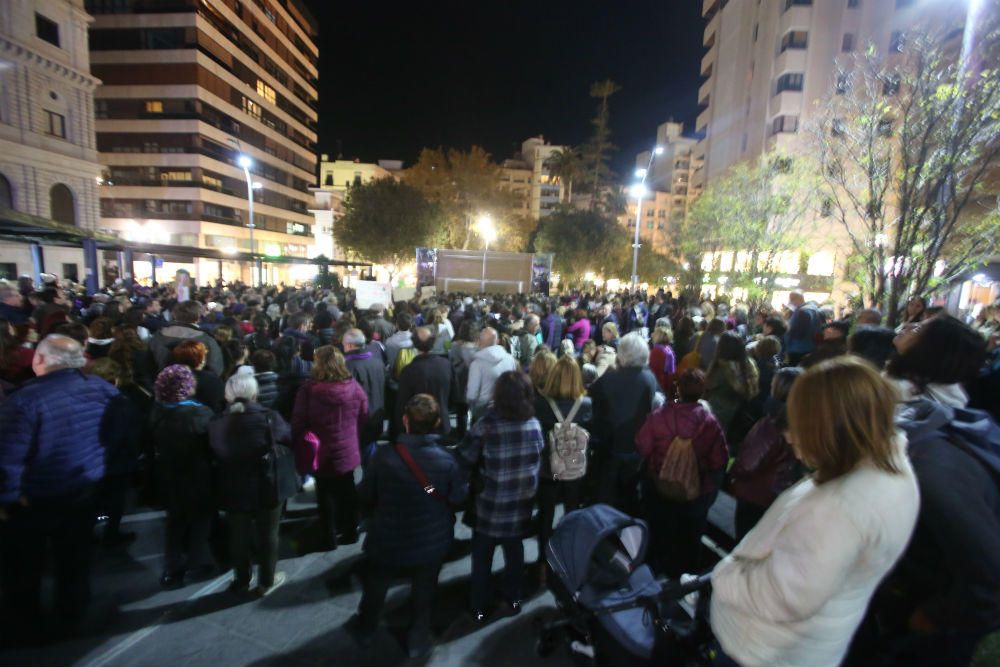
(6, 193)
(61, 206)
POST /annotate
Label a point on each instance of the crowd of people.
(864, 460)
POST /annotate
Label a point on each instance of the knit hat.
(174, 384)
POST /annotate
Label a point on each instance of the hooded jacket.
(687, 420)
(336, 412)
(167, 338)
(951, 569)
(487, 365)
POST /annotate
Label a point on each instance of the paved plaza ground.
(133, 623)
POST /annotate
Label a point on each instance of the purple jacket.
(580, 331)
(336, 412)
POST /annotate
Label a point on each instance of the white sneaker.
(309, 485)
(279, 579)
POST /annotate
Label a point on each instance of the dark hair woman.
(506, 445)
(732, 382)
(934, 358)
(766, 464)
(680, 523)
(334, 408)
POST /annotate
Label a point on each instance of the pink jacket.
(689, 420)
(580, 331)
(335, 412)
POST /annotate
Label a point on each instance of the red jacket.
(335, 412)
(688, 420)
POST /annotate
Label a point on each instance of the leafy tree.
(466, 185)
(582, 241)
(759, 210)
(565, 166)
(596, 153)
(905, 147)
(384, 221)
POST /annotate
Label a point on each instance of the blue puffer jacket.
(53, 435)
(408, 527)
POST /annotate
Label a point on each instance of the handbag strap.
(417, 471)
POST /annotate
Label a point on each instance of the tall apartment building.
(768, 67)
(527, 176)
(48, 156)
(769, 64)
(189, 86)
(671, 190)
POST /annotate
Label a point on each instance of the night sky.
(395, 77)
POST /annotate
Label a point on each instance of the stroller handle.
(670, 591)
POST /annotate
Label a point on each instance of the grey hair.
(241, 385)
(354, 337)
(492, 333)
(532, 318)
(633, 352)
(61, 352)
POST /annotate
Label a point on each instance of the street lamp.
(639, 191)
(246, 162)
(487, 230)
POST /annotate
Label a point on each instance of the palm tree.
(564, 166)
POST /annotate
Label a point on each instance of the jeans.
(243, 528)
(65, 522)
(378, 579)
(483, 547)
(550, 494)
(187, 543)
(337, 500)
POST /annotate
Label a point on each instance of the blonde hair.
(840, 413)
(663, 336)
(565, 380)
(612, 327)
(541, 366)
(329, 365)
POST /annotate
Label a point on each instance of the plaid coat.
(508, 455)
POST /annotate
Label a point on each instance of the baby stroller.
(615, 611)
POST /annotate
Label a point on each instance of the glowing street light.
(245, 161)
(488, 231)
(639, 191)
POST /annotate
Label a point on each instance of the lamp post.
(488, 232)
(639, 191)
(246, 162)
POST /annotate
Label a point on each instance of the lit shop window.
(265, 91)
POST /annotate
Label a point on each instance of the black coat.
(183, 459)
(369, 370)
(267, 388)
(239, 443)
(210, 390)
(623, 398)
(426, 374)
(408, 527)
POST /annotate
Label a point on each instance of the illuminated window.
(175, 175)
(251, 108)
(154, 106)
(265, 91)
(707, 261)
(742, 261)
(820, 264)
(726, 261)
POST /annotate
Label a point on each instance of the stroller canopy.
(572, 544)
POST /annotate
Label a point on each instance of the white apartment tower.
(769, 63)
(48, 154)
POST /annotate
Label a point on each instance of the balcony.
(786, 103)
(797, 17)
(711, 30)
(701, 124)
(708, 61)
(709, 6)
(705, 92)
(791, 60)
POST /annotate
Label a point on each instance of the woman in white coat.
(794, 591)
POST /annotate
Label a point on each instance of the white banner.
(369, 292)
